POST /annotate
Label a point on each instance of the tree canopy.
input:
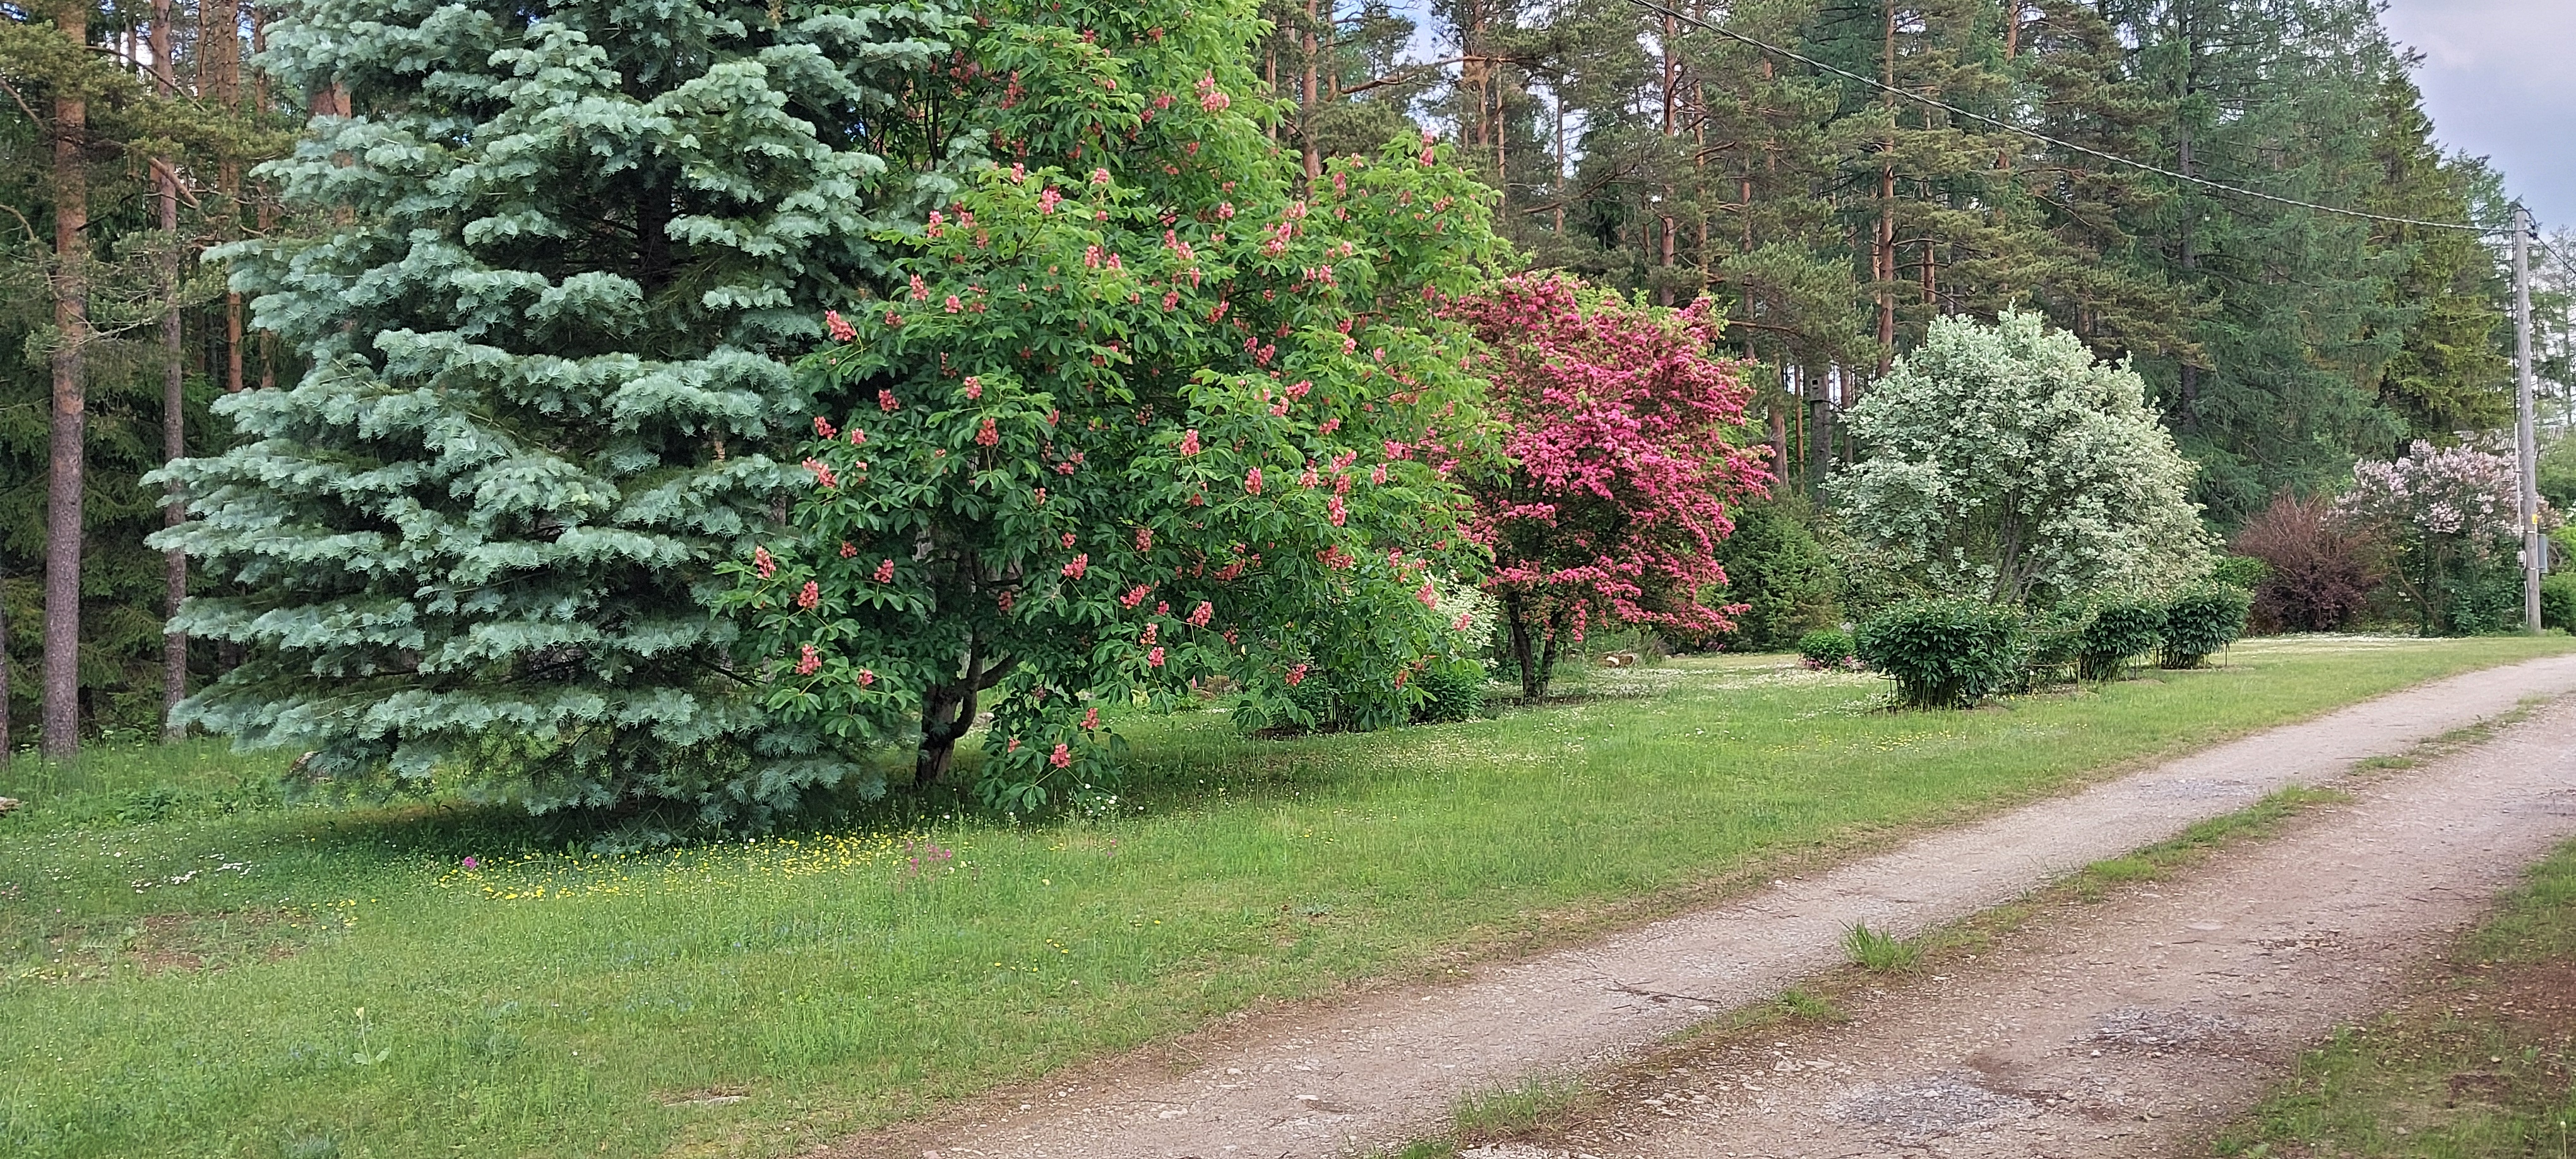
(2006, 463)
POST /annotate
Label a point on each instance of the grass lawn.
(2480, 1066)
(187, 968)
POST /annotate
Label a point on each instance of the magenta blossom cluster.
(1625, 430)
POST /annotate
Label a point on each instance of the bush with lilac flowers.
(2448, 515)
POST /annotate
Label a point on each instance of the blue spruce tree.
(567, 253)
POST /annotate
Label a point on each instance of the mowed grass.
(236, 978)
(2482, 1065)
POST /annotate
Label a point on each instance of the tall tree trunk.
(5, 750)
(1561, 181)
(947, 712)
(2187, 409)
(174, 429)
(1883, 252)
(60, 724)
(1306, 101)
(219, 58)
(1524, 650)
(1779, 423)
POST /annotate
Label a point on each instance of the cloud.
(2495, 78)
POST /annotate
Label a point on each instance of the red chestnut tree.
(1626, 437)
(1143, 412)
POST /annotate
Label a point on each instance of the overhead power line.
(2089, 151)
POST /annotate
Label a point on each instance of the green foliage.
(1137, 419)
(2242, 571)
(1452, 690)
(2558, 601)
(1780, 572)
(1943, 653)
(1828, 648)
(2005, 464)
(2557, 472)
(2051, 639)
(2450, 372)
(2201, 621)
(2116, 632)
(547, 329)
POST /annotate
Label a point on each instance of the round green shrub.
(2558, 601)
(1827, 648)
(2049, 644)
(1453, 690)
(2120, 631)
(1943, 653)
(2201, 621)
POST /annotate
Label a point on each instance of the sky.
(2499, 77)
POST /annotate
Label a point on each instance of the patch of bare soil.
(2138, 1026)
(2048, 1050)
(178, 942)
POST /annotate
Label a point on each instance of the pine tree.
(2280, 96)
(2452, 372)
(98, 300)
(545, 333)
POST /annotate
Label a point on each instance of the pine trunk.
(1306, 105)
(60, 724)
(174, 430)
(5, 750)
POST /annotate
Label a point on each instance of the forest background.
(1831, 222)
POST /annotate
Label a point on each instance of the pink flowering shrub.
(2449, 516)
(1181, 421)
(1624, 433)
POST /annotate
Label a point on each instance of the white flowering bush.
(2449, 516)
(2005, 464)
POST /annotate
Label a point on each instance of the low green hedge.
(1828, 648)
(2201, 621)
(1454, 690)
(2119, 631)
(1944, 653)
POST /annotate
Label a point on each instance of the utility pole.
(2525, 444)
